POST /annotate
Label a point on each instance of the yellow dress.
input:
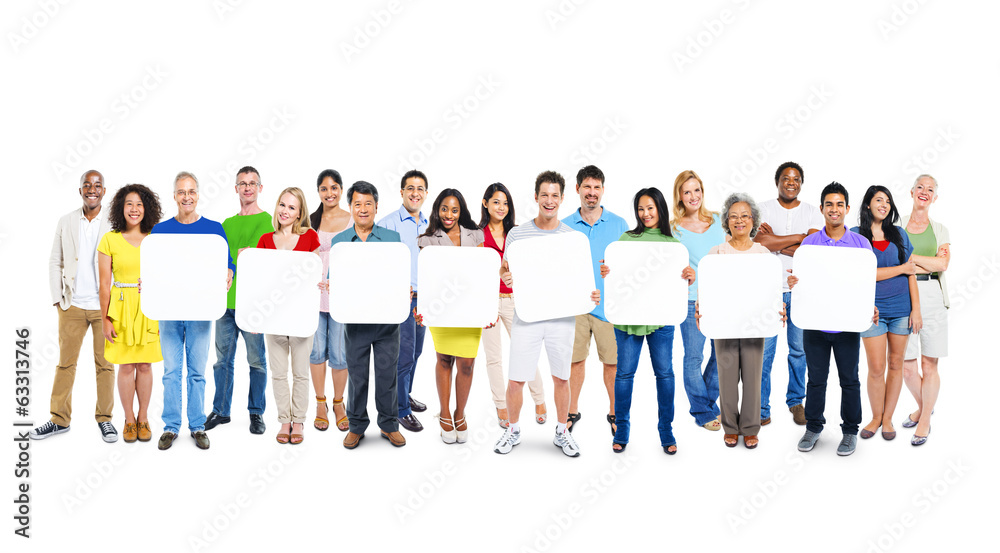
(138, 338)
(460, 342)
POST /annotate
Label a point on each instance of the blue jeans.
(702, 387)
(226, 335)
(328, 343)
(661, 343)
(796, 365)
(180, 340)
(411, 343)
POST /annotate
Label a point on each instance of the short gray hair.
(926, 176)
(186, 175)
(734, 199)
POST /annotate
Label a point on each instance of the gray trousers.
(360, 341)
(740, 360)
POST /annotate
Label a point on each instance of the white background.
(861, 92)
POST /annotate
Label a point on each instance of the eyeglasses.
(410, 189)
(744, 217)
(247, 185)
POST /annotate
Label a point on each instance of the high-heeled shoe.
(461, 436)
(447, 436)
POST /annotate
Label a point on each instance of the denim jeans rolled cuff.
(328, 343)
(796, 392)
(226, 335)
(184, 342)
(411, 343)
(845, 347)
(892, 325)
(660, 344)
(702, 387)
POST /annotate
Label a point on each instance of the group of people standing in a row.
(911, 297)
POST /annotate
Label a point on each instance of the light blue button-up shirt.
(606, 230)
(408, 228)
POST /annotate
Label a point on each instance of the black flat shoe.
(613, 444)
(214, 419)
(666, 449)
(611, 421)
(571, 420)
(417, 406)
(257, 425)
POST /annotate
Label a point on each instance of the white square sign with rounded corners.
(458, 286)
(552, 276)
(836, 288)
(739, 296)
(183, 277)
(277, 292)
(644, 284)
(369, 282)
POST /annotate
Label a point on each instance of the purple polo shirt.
(848, 240)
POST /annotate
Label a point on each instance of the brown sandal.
(294, 438)
(342, 422)
(731, 439)
(321, 423)
(750, 441)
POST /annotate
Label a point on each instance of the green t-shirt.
(648, 235)
(925, 243)
(244, 231)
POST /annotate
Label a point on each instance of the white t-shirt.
(798, 220)
(85, 286)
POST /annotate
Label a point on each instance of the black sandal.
(613, 444)
(612, 422)
(571, 420)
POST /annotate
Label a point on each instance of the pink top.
(725, 247)
(489, 242)
(324, 253)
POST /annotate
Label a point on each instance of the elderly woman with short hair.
(740, 359)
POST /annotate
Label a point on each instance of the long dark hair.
(508, 220)
(889, 228)
(661, 210)
(464, 218)
(317, 216)
(151, 211)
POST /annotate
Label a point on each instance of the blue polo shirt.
(848, 240)
(407, 228)
(606, 230)
(203, 225)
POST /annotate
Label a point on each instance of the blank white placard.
(836, 288)
(644, 285)
(739, 295)
(183, 277)
(458, 286)
(277, 292)
(553, 277)
(369, 282)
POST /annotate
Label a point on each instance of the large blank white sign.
(183, 277)
(458, 286)
(277, 292)
(739, 296)
(370, 282)
(836, 288)
(553, 277)
(644, 284)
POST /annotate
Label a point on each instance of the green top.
(648, 235)
(244, 231)
(925, 243)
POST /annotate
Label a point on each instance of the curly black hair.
(152, 213)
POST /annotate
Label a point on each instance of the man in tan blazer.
(74, 285)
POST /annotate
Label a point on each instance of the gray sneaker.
(507, 442)
(808, 441)
(847, 445)
(565, 441)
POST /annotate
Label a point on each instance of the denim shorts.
(894, 325)
(328, 343)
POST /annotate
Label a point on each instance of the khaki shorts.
(603, 333)
(932, 341)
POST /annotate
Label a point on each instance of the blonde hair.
(301, 223)
(679, 209)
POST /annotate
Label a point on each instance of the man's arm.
(56, 266)
(790, 250)
(777, 242)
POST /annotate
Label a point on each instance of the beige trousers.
(291, 407)
(494, 360)
(73, 324)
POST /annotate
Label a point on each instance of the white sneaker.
(507, 441)
(567, 443)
